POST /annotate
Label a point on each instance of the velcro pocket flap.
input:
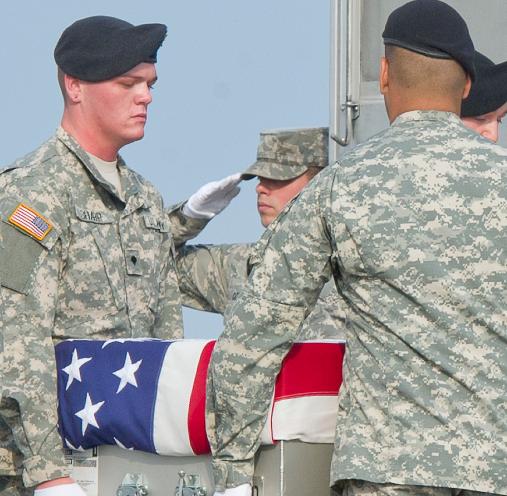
(20, 255)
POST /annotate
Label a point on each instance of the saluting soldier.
(210, 276)
(413, 226)
(88, 248)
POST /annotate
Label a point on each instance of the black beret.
(100, 47)
(431, 28)
(489, 91)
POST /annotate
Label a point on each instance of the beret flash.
(431, 28)
(100, 47)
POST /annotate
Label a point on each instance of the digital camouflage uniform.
(211, 276)
(413, 225)
(284, 154)
(103, 269)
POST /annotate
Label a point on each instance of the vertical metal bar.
(282, 469)
(334, 83)
(344, 73)
(345, 14)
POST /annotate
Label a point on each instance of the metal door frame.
(345, 73)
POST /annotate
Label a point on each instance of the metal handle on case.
(133, 485)
(189, 485)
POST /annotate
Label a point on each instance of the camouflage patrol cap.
(287, 153)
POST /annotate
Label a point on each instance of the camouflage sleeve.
(184, 228)
(291, 263)
(29, 275)
(327, 319)
(208, 274)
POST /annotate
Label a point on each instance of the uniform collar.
(130, 182)
(427, 115)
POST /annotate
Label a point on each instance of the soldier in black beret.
(105, 71)
(431, 28)
(88, 240)
(486, 104)
(394, 211)
(100, 47)
(426, 37)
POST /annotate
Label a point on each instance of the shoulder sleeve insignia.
(30, 221)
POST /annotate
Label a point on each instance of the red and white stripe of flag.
(304, 405)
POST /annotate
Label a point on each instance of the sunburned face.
(487, 125)
(116, 110)
(273, 195)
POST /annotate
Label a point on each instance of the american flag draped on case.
(149, 394)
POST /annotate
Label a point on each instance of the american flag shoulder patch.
(30, 221)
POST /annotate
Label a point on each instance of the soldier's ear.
(384, 75)
(468, 86)
(72, 88)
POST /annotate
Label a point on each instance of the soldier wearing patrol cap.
(87, 244)
(286, 161)
(210, 275)
(411, 224)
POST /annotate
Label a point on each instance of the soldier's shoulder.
(40, 166)
(476, 152)
(439, 139)
(36, 182)
(238, 250)
(491, 149)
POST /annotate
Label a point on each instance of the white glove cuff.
(61, 490)
(193, 214)
(243, 490)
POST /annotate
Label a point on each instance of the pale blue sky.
(227, 70)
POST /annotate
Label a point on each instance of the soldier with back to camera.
(412, 224)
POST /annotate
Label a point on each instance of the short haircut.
(425, 75)
(61, 83)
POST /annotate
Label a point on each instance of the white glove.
(61, 490)
(212, 198)
(243, 490)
